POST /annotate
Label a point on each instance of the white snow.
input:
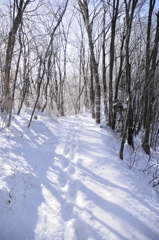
(62, 180)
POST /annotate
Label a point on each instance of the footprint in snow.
(69, 141)
(71, 170)
(67, 150)
(72, 190)
(65, 163)
(81, 229)
(63, 179)
(73, 145)
(73, 135)
(67, 209)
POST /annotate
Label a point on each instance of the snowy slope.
(62, 180)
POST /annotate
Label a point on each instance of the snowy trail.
(97, 200)
(82, 190)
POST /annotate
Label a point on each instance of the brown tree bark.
(92, 95)
(20, 6)
(104, 61)
(111, 65)
(149, 79)
(85, 13)
(128, 128)
(118, 78)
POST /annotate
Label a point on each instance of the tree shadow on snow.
(31, 155)
(119, 212)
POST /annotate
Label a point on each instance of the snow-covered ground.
(62, 180)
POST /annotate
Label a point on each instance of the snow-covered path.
(83, 191)
(94, 200)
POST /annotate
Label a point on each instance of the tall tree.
(150, 68)
(88, 24)
(111, 65)
(130, 6)
(19, 7)
(42, 59)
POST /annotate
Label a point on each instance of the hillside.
(62, 179)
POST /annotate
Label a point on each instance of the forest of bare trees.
(66, 56)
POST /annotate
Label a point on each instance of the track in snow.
(80, 189)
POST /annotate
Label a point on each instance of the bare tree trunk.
(128, 128)
(47, 82)
(80, 75)
(40, 76)
(118, 78)
(149, 79)
(10, 47)
(24, 91)
(14, 84)
(92, 95)
(104, 62)
(85, 13)
(111, 65)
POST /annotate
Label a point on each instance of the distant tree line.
(63, 57)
